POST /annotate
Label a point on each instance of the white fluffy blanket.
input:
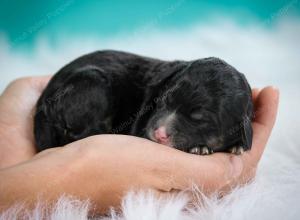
(265, 56)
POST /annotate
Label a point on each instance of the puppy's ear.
(247, 133)
(165, 71)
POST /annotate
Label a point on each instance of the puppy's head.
(206, 104)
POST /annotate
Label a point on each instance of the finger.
(264, 119)
(265, 115)
(267, 105)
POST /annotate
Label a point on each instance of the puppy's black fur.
(201, 103)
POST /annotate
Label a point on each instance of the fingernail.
(237, 166)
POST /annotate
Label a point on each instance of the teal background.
(22, 22)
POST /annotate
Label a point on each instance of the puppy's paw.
(201, 150)
(238, 150)
(195, 150)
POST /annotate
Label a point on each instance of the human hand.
(166, 169)
(17, 105)
(104, 167)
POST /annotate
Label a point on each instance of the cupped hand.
(129, 162)
(104, 167)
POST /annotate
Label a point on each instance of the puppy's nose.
(161, 135)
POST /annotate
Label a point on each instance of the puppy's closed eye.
(196, 114)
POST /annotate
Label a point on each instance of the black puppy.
(200, 106)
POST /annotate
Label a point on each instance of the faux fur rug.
(275, 197)
(266, 56)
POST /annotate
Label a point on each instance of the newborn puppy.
(201, 106)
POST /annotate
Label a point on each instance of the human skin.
(103, 168)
